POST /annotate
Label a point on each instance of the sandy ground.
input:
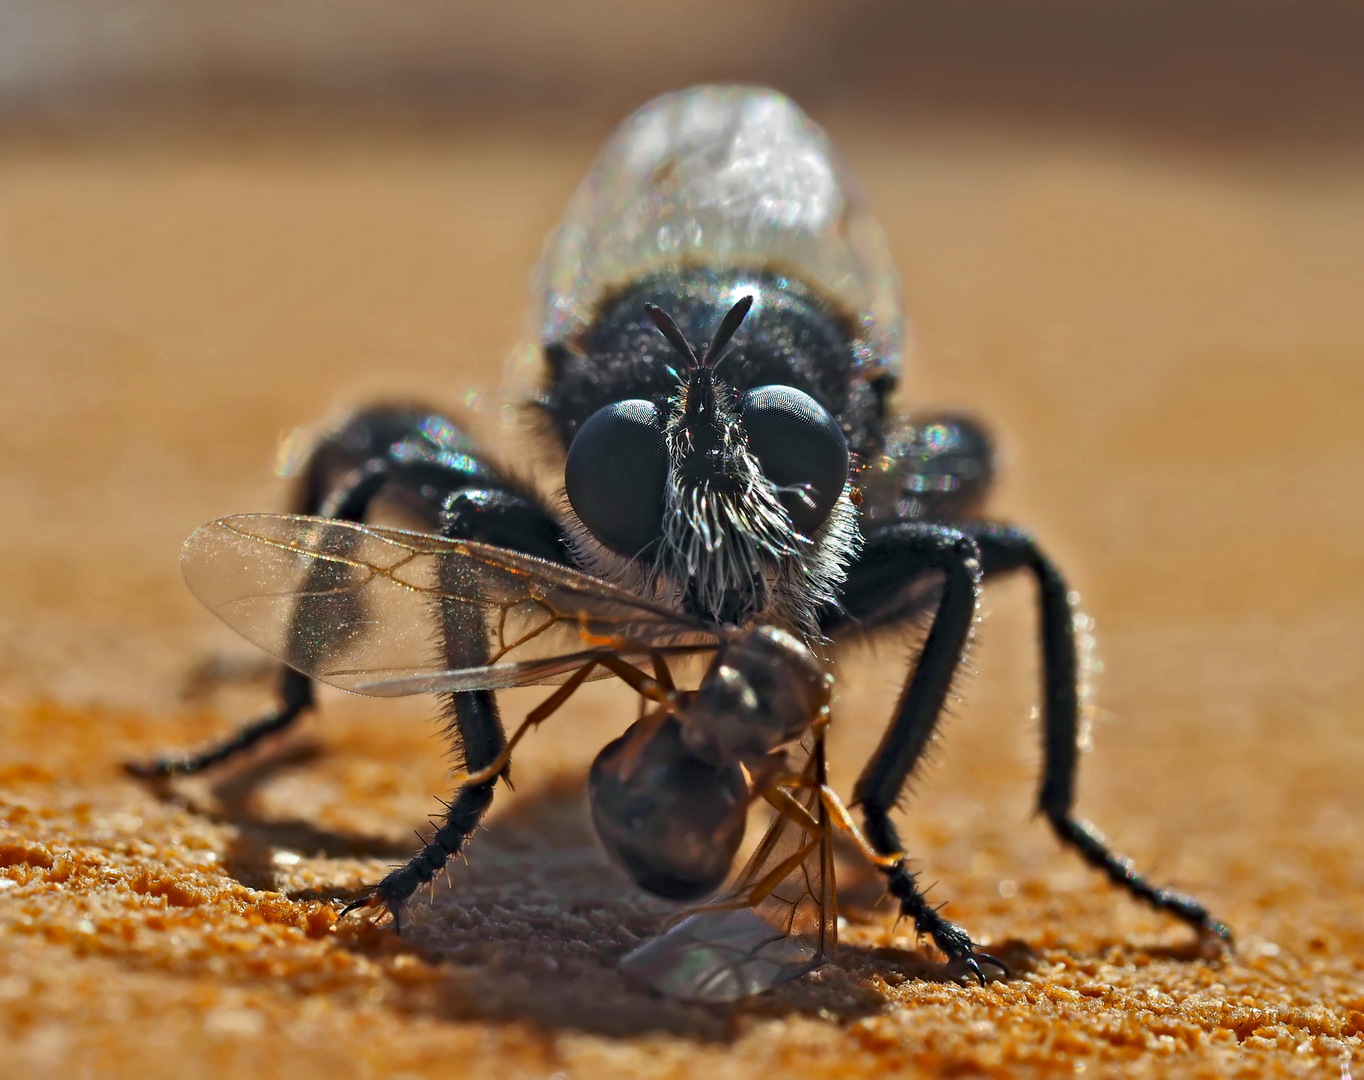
(1168, 345)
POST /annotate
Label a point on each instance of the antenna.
(669, 330)
(729, 325)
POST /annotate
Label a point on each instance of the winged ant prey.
(756, 502)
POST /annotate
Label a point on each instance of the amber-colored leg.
(642, 684)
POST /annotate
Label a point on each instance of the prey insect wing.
(778, 921)
(362, 608)
(547, 671)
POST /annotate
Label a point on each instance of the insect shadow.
(533, 928)
(250, 856)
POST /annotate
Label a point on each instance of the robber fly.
(357, 607)
(761, 481)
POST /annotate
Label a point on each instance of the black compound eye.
(616, 471)
(801, 449)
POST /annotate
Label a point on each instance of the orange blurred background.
(1132, 240)
(1203, 71)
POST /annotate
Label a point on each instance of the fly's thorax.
(763, 690)
(672, 820)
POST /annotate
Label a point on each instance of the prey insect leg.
(758, 891)
(838, 814)
(647, 689)
(777, 795)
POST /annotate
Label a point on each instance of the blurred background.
(1131, 234)
(1188, 70)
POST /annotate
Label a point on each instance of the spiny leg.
(473, 717)
(478, 730)
(474, 726)
(1003, 548)
(894, 556)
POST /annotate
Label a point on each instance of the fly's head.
(737, 502)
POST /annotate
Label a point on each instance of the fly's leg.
(493, 511)
(893, 556)
(424, 463)
(939, 469)
(1003, 548)
(476, 729)
(295, 689)
(296, 696)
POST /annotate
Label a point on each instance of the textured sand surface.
(1170, 350)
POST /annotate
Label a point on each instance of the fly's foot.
(462, 817)
(398, 886)
(964, 955)
(373, 899)
(952, 941)
(1121, 871)
(1210, 930)
(978, 964)
(156, 768)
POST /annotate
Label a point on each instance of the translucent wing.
(779, 921)
(725, 176)
(385, 612)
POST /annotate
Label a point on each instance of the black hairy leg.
(295, 697)
(1003, 548)
(472, 721)
(346, 498)
(938, 468)
(893, 555)
(885, 587)
(423, 462)
(474, 725)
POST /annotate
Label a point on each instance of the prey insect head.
(763, 690)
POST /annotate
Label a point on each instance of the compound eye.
(801, 449)
(615, 474)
